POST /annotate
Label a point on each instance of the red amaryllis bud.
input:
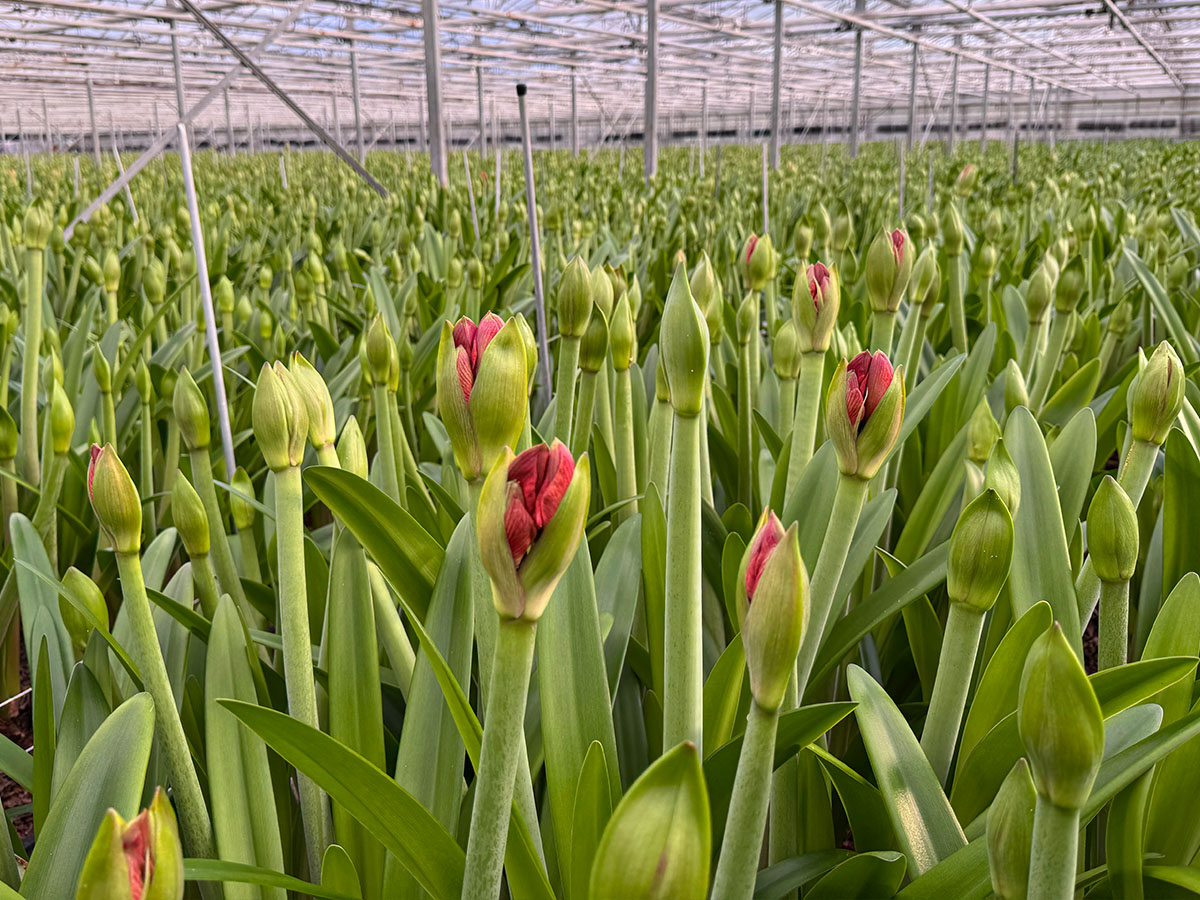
(816, 313)
(114, 499)
(818, 283)
(898, 245)
(764, 542)
(136, 845)
(538, 478)
(863, 412)
(750, 245)
(867, 378)
(96, 450)
(471, 340)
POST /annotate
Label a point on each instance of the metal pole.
(421, 129)
(433, 90)
(1029, 125)
(228, 124)
(1012, 121)
(912, 95)
(953, 133)
(210, 320)
(750, 116)
(650, 120)
(92, 113)
(574, 118)
(128, 193)
(180, 107)
(703, 126)
(46, 126)
(471, 195)
(553, 129)
(1182, 112)
(157, 127)
(766, 197)
(983, 116)
(1052, 115)
(535, 254)
(482, 121)
(900, 158)
(776, 87)
(358, 123)
(499, 153)
(337, 122)
(859, 6)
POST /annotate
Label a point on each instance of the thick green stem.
(205, 580)
(1029, 350)
(912, 360)
(706, 485)
(957, 312)
(603, 404)
(45, 514)
(32, 318)
(392, 636)
(146, 473)
(883, 326)
(222, 555)
(297, 648)
(964, 625)
(745, 437)
(1048, 361)
(250, 565)
(564, 390)
(1114, 624)
(499, 758)
(581, 434)
(683, 707)
(808, 406)
(1054, 852)
(8, 496)
(387, 448)
(787, 406)
(625, 460)
(661, 420)
(742, 845)
(194, 824)
(170, 465)
(785, 799)
(843, 519)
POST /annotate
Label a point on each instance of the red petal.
(898, 245)
(560, 469)
(464, 333)
(136, 846)
(750, 245)
(878, 379)
(860, 366)
(466, 373)
(519, 527)
(761, 547)
(854, 400)
(527, 471)
(96, 451)
(818, 283)
(489, 327)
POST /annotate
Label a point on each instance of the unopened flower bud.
(322, 430)
(616, 278)
(1059, 721)
(223, 295)
(757, 262)
(889, 266)
(989, 257)
(622, 335)
(772, 608)
(747, 319)
(1069, 290)
(240, 505)
(8, 435)
(818, 217)
(187, 512)
(982, 433)
(102, 371)
(964, 184)
(62, 420)
(1003, 477)
(981, 549)
(1015, 392)
(785, 351)
(993, 226)
(377, 350)
(154, 281)
(843, 229)
(191, 412)
(926, 281)
(593, 349)
(684, 346)
(531, 515)
(658, 843)
(863, 412)
(112, 271)
(574, 298)
(802, 239)
(279, 418)
(78, 623)
(816, 299)
(137, 860)
(601, 291)
(1038, 293)
(1156, 395)
(352, 449)
(36, 227)
(1010, 833)
(115, 499)
(1112, 532)
(952, 230)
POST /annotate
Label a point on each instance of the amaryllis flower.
(137, 860)
(816, 314)
(482, 390)
(531, 515)
(114, 499)
(863, 412)
(772, 608)
(758, 262)
(899, 244)
(888, 267)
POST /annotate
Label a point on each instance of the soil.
(16, 724)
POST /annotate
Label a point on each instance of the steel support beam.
(91, 95)
(952, 134)
(703, 126)
(776, 85)
(482, 120)
(983, 113)
(229, 144)
(574, 118)
(650, 120)
(856, 90)
(177, 64)
(1012, 120)
(912, 95)
(356, 97)
(433, 91)
(543, 389)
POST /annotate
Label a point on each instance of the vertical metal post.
(422, 130)
(433, 91)
(900, 159)
(983, 115)
(703, 126)
(250, 130)
(92, 113)
(574, 118)
(177, 63)
(543, 387)
(337, 122)
(776, 86)
(859, 6)
(482, 121)
(496, 179)
(952, 135)
(750, 116)
(471, 195)
(650, 119)
(210, 319)
(229, 144)
(157, 127)
(1029, 121)
(766, 196)
(1012, 120)
(553, 129)
(1052, 115)
(912, 95)
(49, 141)
(1182, 111)
(354, 95)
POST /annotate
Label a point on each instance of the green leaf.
(1181, 338)
(723, 692)
(338, 872)
(618, 576)
(935, 500)
(109, 774)
(1071, 457)
(1187, 877)
(593, 808)
(777, 881)
(388, 811)
(865, 875)
(921, 815)
(654, 580)
(1073, 396)
(239, 873)
(1180, 510)
(865, 807)
(43, 736)
(16, 763)
(408, 556)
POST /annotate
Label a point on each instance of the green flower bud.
(1038, 293)
(352, 449)
(747, 319)
(1059, 721)
(244, 512)
(1010, 833)
(223, 295)
(993, 226)
(622, 335)
(662, 390)
(757, 262)
(601, 291)
(279, 417)
(684, 345)
(144, 383)
(706, 290)
(482, 390)
(785, 351)
(593, 348)
(635, 296)
(265, 277)
(92, 270)
(658, 843)
(115, 499)
(1112, 532)
(322, 430)
(36, 227)
(1156, 395)
(888, 269)
(772, 608)
(187, 512)
(952, 230)
(989, 257)
(863, 412)
(1069, 290)
(964, 184)
(926, 281)
(154, 280)
(981, 549)
(574, 298)
(617, 279)
(454, 274)
(1003, 477)
(377, 350)
(8, 435)
(138, 860)
(816, 299)
(818, 217)
(802, 240)
(529, 340)
(1015, 392)
(62, 420)
(191, 412)
(843, 229)
(78, 625)
(102, 371)
(982, 433)
(1052, 263)
(532, 511)
(1085, 223)
(112, 272)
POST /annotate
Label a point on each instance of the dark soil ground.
(16, 724)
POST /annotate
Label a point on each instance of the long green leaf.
(230, 873)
